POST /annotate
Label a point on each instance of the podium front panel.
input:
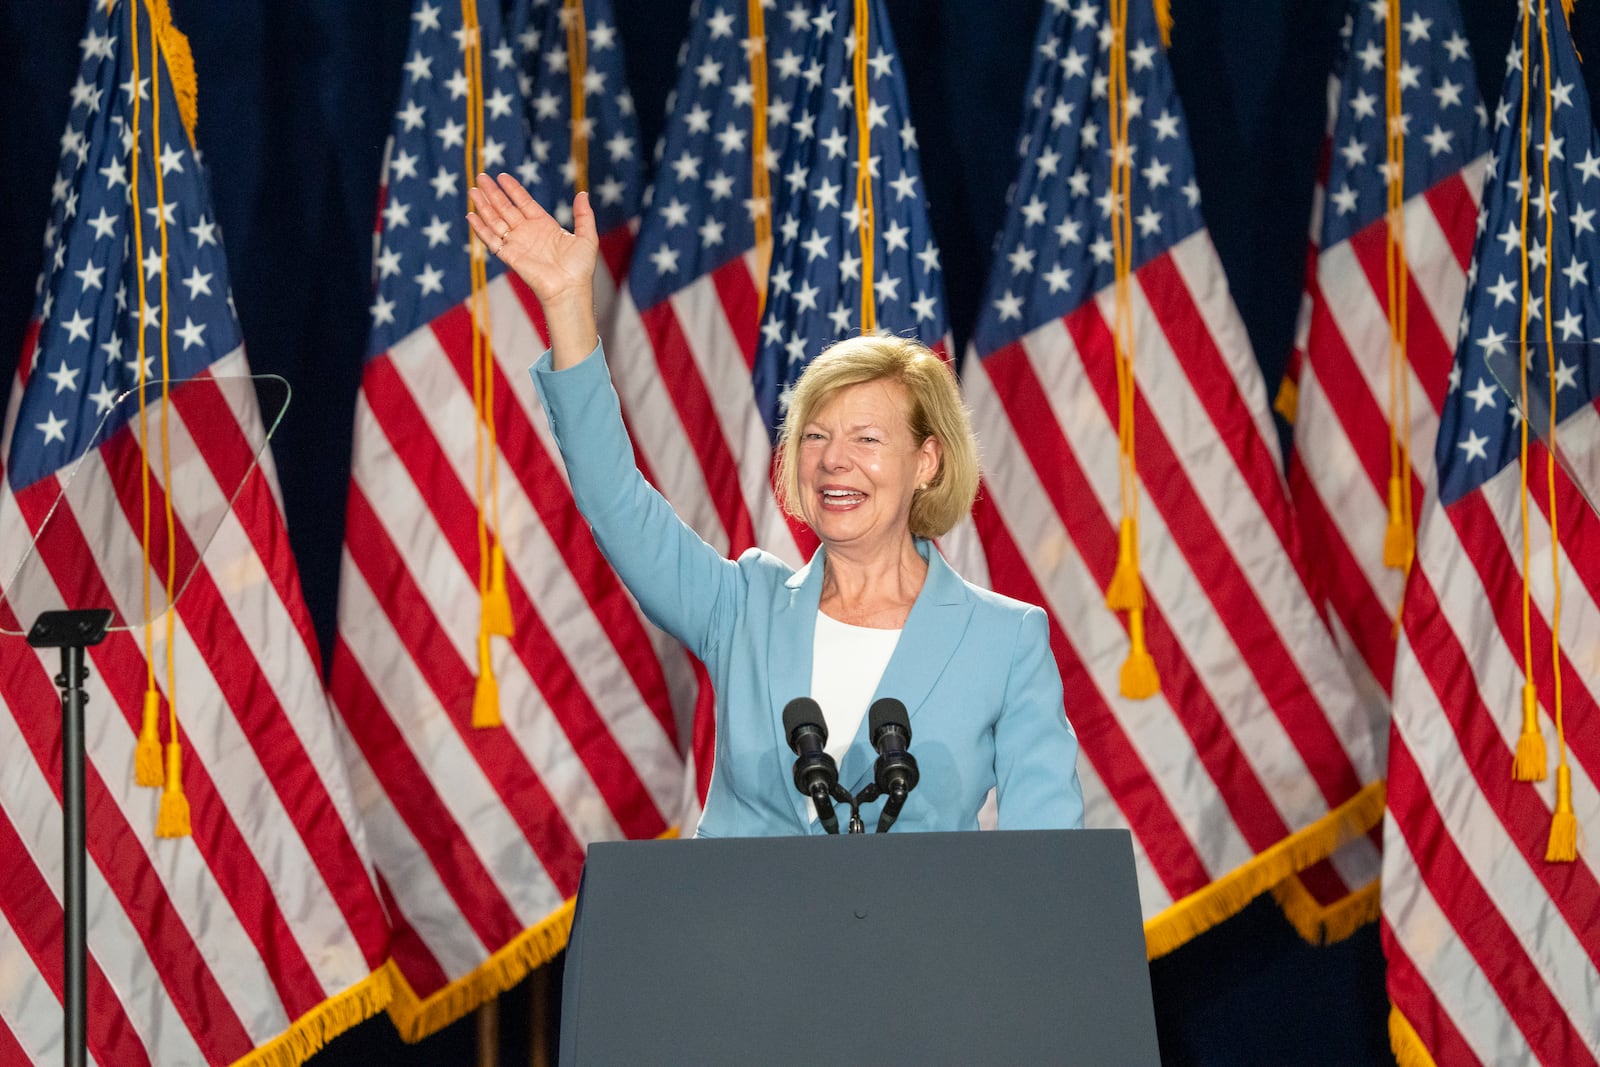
(970, 948)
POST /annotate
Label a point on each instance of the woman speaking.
(877, 456)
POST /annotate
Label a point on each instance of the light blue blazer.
(973, 668)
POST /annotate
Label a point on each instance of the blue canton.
(1056, 250)
(1478, 430)
(88, 308)
(815, 285)
(422, 266)
(1444, 123)
(701, 212)
(537, 29)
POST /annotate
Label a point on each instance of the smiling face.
(859, 468)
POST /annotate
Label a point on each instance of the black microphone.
(815, 773)
(895, 773)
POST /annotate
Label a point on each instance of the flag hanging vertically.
(503, 699)
(1364, 398)
(750, 258)
(249, 931)
(1130, 461)
(1490, 888)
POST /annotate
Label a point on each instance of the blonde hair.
(936, 410)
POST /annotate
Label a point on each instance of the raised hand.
(557, 265)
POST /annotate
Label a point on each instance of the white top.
(847, 663)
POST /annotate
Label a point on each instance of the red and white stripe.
(479, 834)
(1340, 466)
(200, 948)
(1339, 473)
(1493, 953)
(1257, 731)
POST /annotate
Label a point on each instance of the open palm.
(558, 265)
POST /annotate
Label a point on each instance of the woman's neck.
(875, 591)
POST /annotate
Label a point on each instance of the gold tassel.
(1397, 547)
(1125, 593)
(1139, 678)
(497, 602)
(486, 697)
(1563, 846)
(173, 819)
(1287, 403)
(147, 756)
(1530, 761)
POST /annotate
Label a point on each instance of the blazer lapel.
(789, 654)
(933, 630)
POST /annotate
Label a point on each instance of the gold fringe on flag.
(180, 64)
(1164, 21)
(1326, 925)
(1409, 1051)
(310, 1032)
(1222, 899)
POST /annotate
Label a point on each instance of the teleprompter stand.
(72, 632)
(78, 581)
(1000, 947)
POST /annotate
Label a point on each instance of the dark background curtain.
(296, 98)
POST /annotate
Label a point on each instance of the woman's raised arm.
(556, 264)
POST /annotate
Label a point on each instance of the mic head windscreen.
(803, 711)
(885, 713)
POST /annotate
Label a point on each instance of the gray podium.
(1022, 947)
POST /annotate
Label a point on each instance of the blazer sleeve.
(685, 586)
(1035, 750)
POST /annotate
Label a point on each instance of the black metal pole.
(72, 632)
(74, 843)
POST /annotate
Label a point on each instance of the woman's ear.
(930, 459)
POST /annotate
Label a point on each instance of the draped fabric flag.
(1250, 758)
(485, 760)
(1377, 327)
(749, 259)
(1366, 412)
(1493, 946)
(259, 934)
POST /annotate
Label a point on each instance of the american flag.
(1345, 387)
(479, 832)
(261, 934)
(1344, 399)
(1255, 758)
(717, 321)
(1493, 950)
